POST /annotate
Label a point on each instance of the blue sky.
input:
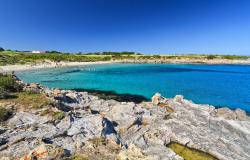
(146, 26)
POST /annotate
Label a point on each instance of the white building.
(37, 52)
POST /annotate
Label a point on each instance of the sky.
(144, 26)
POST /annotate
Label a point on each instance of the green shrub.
(4, 114)
(211, 57)
(6, 81)
(58, 115)
(3, 93)
(233, 57)
(7, 85)
(1, 49)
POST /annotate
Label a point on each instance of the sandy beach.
(49, 64)
(190, 61)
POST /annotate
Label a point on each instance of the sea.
(217, 85)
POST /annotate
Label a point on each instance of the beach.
(48, 64)
(52, 64)
(189, 61)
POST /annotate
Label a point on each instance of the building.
(37, 52)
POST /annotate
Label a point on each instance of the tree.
(1, 49)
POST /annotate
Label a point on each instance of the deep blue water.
(219, 85)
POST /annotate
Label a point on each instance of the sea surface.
(218, 85)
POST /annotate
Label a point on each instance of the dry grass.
(27, 100)
(34, 100)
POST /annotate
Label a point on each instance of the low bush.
(211, 57)
(3, 93)
(58, 115)
(4, 114)
(8, 85)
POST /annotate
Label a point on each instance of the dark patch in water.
(106, 95)
(65, 72)
(156, 69)
(71, 71)
(52, 81)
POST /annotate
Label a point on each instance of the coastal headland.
(17, 60)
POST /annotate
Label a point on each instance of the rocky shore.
(107, 129)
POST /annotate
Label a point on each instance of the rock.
(99, 149)
(56, 92)
(134, 153)
(122, 115)
(45, 151)
(101, 128)
(68, 143)
(34, 85)
(109, 131)
(160, 152)
(241, 115)
(226, 113)
(178, 98)
(33, 88)
(90, 126)
(5, 158)
(22, 119)
(156, 98)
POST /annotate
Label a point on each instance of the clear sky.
(146, 26)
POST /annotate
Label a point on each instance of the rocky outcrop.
(136, 131)
(45, 151)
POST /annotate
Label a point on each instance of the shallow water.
(219, 85)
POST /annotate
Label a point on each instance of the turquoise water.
(219, 85)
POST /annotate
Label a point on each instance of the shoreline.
(10, 68)
(50, 64)
(189, 61)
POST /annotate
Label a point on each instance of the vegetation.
(190, 154)
(32, 100)
(7, 85)
(23, 57)
(28, 100)
(1, 49)
(11, 91)
(211, 57)
(11, 57)
(58, 115)
(4, 114)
